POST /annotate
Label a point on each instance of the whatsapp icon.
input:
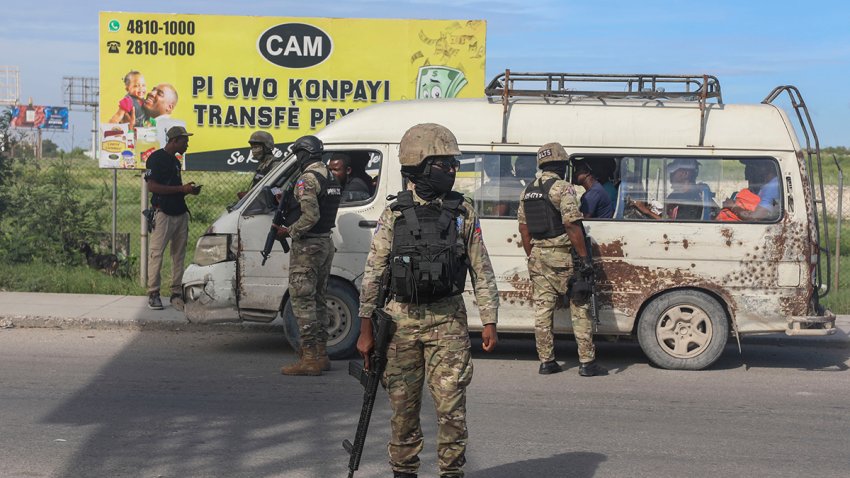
(114, 25)
(439, 82)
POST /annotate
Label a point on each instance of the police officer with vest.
(429, 238)
(262, 151)
(550, 226)
(311, 208)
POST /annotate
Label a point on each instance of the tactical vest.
(329, 195)
(266, 165)
(428, 260)
(541, 216)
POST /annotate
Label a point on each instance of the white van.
(682, 281)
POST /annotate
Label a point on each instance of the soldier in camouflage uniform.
(311, 214)
(550, 226)
(431, 340)
(262, 151)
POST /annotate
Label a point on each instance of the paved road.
(122, 403)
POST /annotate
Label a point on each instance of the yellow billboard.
(224, 77)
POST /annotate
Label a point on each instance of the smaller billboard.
(124, 148)
(42, 117)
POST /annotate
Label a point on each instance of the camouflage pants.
(309, 267)
(431, 343)
(549, 269)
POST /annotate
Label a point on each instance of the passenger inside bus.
(604, 171)
(349, 169)
(525, 169)
(760, 200)
(595, 202)
(689, 200)
(499, 194)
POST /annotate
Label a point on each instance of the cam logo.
(295, 45)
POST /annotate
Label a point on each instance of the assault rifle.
(382, 327)
(277, 220)
(588, 283)
(594, 309)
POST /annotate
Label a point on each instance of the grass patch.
(40, 277)
(838, 299)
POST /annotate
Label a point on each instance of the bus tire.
(343, 320)
(683, 330)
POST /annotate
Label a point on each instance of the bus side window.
(495, 181)
(760, 195)
(357, 171)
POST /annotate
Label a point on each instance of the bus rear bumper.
(812, 325)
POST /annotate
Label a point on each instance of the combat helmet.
(310, 144)
(550, 153)
(262, 137)
(424, 141)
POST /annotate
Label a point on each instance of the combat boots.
(308, 364)
(550, 367)
(591, 369)
(322, 354)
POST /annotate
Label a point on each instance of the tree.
(7, 144)
(49, 148)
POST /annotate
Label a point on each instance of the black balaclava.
(433, 182)
(305, 159)
(557, 167)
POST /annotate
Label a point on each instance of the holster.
(150, 214)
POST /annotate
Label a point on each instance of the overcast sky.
(751, 46)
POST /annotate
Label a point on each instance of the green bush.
(45, 215)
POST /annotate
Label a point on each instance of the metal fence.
(219, 190)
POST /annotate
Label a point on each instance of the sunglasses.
(446, 164)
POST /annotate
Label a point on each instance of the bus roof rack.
(593, 85)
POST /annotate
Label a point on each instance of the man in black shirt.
(354, 187)
(172, 216)
(595, 202)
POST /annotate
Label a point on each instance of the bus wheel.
(343, 322)
(683, 330)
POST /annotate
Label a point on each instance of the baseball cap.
(176, 132)
(683, 163)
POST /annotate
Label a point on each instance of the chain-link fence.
(219, 190)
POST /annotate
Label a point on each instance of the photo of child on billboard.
(138, 128)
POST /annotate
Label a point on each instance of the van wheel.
(683, 330)
(343, 320)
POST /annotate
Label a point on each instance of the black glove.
(580, 289)
(585, 267)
